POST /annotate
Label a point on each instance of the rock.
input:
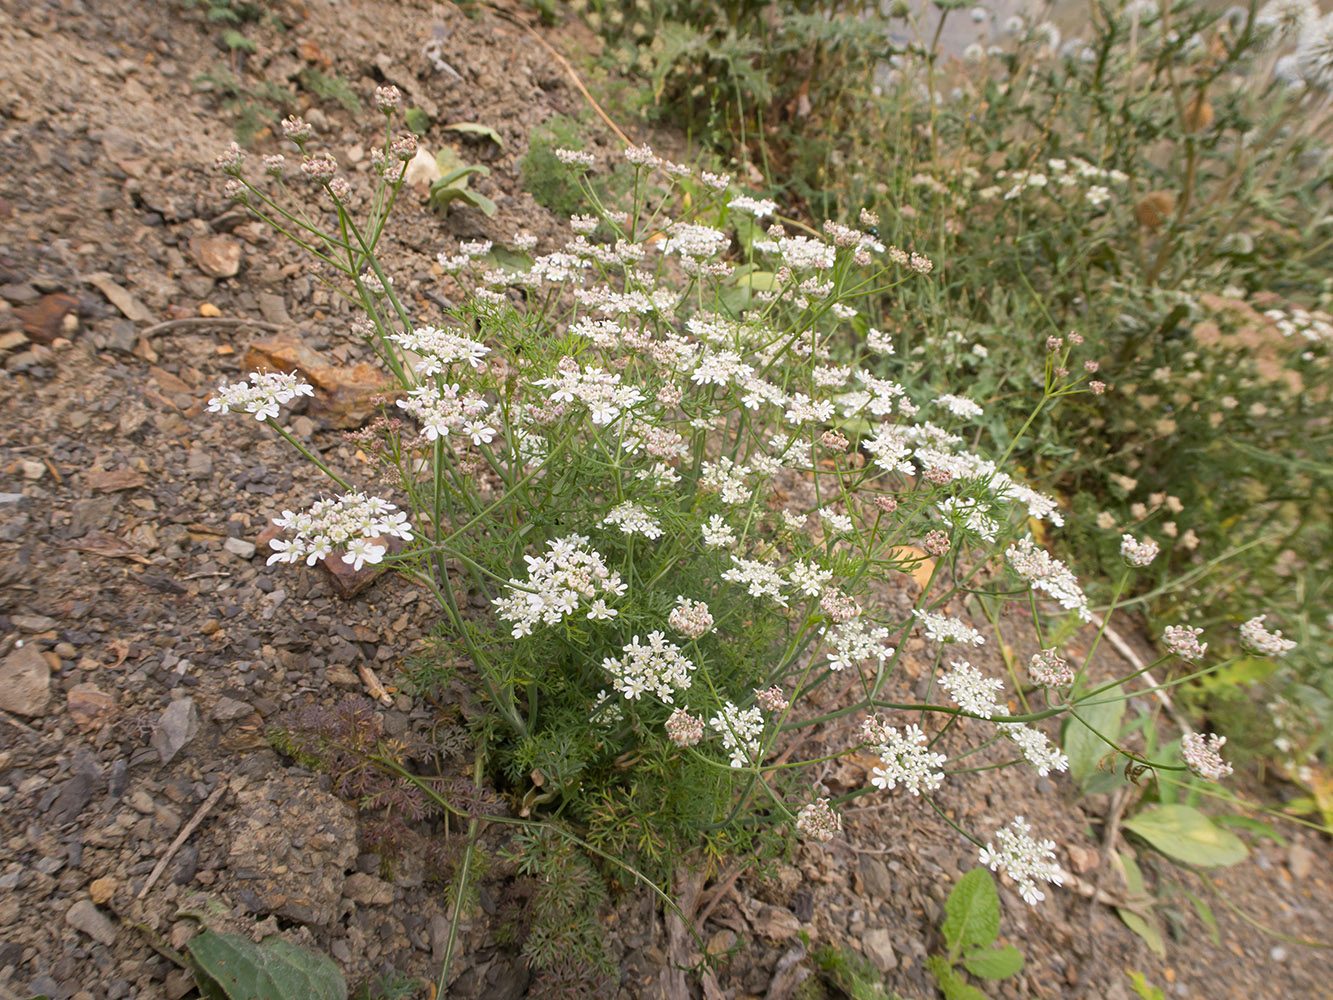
(25, 682)
(368, 890)
(1300, 860)
(176, 727)
(44, 320)
(33, 623)
(86, 917)
(113, 480)
(721, 942)
(88, 705)
(199, 464)
(792, 970)
(777, 923)
(878, 946)
(229, 709)
(875, 877)
(1083, 859)
(342, 394)
(289, 844)
(74, 796)
(101, 890)
(119, 297)
(240, 547)
(217, 256)
(273, 308)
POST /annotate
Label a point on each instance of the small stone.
(210, 310)
(217, 256)
(88, 705)
(367, 890)
(776, 923)
(878, 946)
(721, 942)
(74, 796)
(1083, 859)
(1300, 861)
(25, 682)
(176, 727)
(101, 890)
(198, 464)
(875, 877)
(240, 547)
(86, 917)
(229, 709)
(32, 469)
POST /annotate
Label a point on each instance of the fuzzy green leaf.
(418, 122)
(270, 970)
(1186, 834)
(1082, 746)
(476, 128)
(972, 912)
(952, 985)
(995, 963)
(1145, 929)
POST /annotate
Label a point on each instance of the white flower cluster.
(727, 478)
(1038, 750)
(1042, 572)
(971, 689)
(819, 821)
(632, 520)
(690, 240)
(684, 729)
(1138, 553)
(354, 522)
(262, 395)
(740, 730)
(1025, 859)
(758, 207)
(440, 348)
(1257, 639)
(599, 390)
(441, 411)
(854, 642)
(1049, 669)
(690, 618)
(807, 577)
(905, 758)
(1204, 756)
(759, 578)
(942, 628)
(717, 532)
(657, 666)
(557, 583)
(772, 699)
(959, 406)
(1184, 641)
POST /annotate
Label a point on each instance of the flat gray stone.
(86, 917)
(25, 682)
(176, 727)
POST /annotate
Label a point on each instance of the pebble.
(25, 682)
(176, 727)
(878, 945)
(101, 890)
(86, 917)
(239, 547)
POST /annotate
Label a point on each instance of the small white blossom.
(1257, 639)
(1138, 553)
(1204, 757)
(1184, 641)
(973, 691)
(657, 666)
(942, 628)
(1024, 859)
(262, 395)
(905, 758)
(740, 730)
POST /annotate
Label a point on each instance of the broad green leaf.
(951, 983)
(1186, 834)
(418, 122)
(1141, 986)
(1083, 747)
(764, 281)
(972, 912)
(270, 970)
(995, 963)
(1205, 913)
(1144, 928)
(476, 128)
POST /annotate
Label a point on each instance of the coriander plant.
(676, 466)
